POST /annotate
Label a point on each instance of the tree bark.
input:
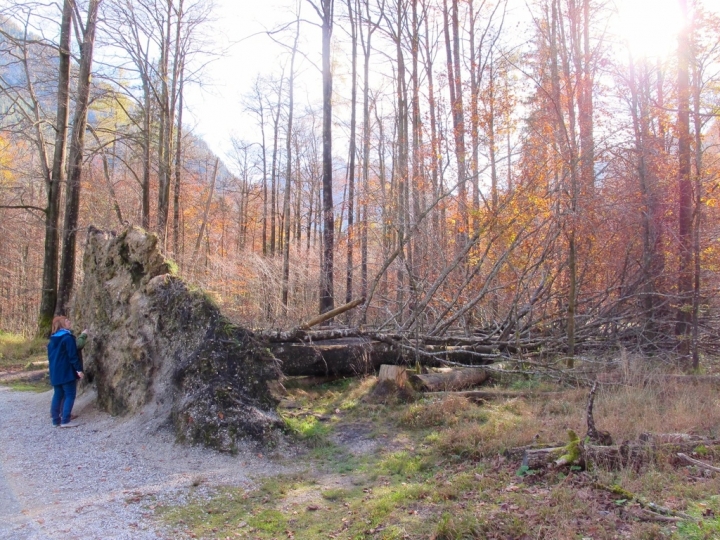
(448, 381)
(397, 374)
(48, 297)
(288, 175)
(351, 151)
(346, 356)
(178, 164)
(327, 295)
(77, 145)
(206, 213)
(685, 285)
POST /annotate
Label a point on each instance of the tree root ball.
(160, 347)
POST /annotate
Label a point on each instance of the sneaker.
(70, 424)
(56, 425)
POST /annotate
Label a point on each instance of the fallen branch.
(300, 332)
(331, 314)
(649, 515)
(660, 438)
(698, 463)
(642, 501)
(610, 457)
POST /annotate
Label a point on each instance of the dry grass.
(444, 411)
(434, 470)
(17, 350)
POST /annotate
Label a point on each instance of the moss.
(173, 268)
(572, 450)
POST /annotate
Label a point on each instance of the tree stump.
(398, 374)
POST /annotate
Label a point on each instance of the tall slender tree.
(48, 297)
(325, 11)
(75, 163)
(288, 168)
(684, 185)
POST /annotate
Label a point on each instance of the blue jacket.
(63, 357)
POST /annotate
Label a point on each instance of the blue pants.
(64, 397)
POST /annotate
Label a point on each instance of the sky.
(215, 111)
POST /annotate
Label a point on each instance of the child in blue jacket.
(65, 370)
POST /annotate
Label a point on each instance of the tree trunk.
(366, 156)
(288, 175)
(326, 285)
(147, 150)
(347, 356)
(165, 133)
(178, 165)
(206, 213)
(351, 151)
(274, 170)
(685, 285)
(77, 145)
(48, 297)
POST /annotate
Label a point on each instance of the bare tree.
(75, 162)
(288, 169)
(327, 295)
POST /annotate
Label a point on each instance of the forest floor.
(368, 465)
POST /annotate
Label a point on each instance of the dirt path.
(99, 480)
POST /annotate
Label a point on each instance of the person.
(80, 342)
(65, 370)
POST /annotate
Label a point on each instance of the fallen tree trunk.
(633, 454)
(481, 396)
(450, 380)
(350, 351)
(346, 357)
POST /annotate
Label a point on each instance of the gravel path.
(92, 482)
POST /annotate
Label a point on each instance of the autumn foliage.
(519, 187)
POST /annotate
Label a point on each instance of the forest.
(515, 175)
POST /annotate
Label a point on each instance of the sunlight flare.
(649, 28)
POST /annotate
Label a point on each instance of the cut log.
(344, 357)
(397, 374)
(451, 380)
